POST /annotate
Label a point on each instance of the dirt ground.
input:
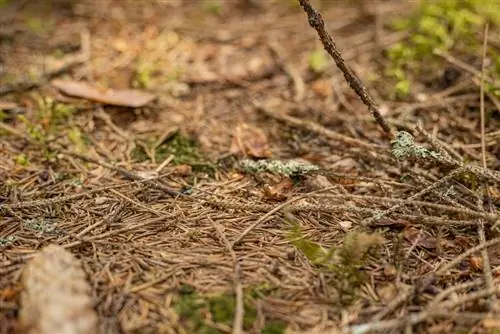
(175, 232)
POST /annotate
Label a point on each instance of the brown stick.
(316, 21)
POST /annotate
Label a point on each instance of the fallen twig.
(316, 21)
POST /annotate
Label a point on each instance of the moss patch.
(196, 311)
(447, 25)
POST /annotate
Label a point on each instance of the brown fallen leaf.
(476, 263)
(491, 323)
(250, 141)
(278, 192)
(119, 97)
(5, 105)
(421, 238)
(56, 297)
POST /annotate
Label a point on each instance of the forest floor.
(153, 192)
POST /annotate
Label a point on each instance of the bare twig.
(313, 127)
(125, 172)
(415, 196)
(488, 276)
(463, 255)
(316, 21)
(240, 307)
(62, 199)
(264, 218)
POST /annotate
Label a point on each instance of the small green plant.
(38, 25)
(212, 6)
(143, 75)
(184, 149)
(194, 310)
(77, 139)
(318, 61)
(22, 159)
(35, 131)
(53, 113)
(345, 263)
(437, 25)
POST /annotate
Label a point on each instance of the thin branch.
(316, 21)
(488, 276)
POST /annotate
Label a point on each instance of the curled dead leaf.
(420, 238)
(476, 263)
(278, 192)
(119, 97)
(250, 141)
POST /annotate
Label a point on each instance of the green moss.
(78, 139)
(274, 327)
(194, 309)
(38, 25)
(446, 25)
(143, 75)
(184, 149)
(213, 6)
(22, 159)
(318, 61)
(53, 113)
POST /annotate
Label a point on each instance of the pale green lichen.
(288, 168)
(404, 147)
(6, 241)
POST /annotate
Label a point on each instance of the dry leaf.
(317, 182)
(322, 88)
(182, 170)
(118, 97)
(56, 296)
(345, 225)
(278, 192)
(476, 263)
(491, 323)
(388, 292)
(250, 141)
(421, 238)
(4, 105)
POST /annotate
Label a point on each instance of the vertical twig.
(316, 22)
(488, 277)
(239, 312)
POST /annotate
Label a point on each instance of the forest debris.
(421, 238)
(56, 297)
(250, 141)
(5, 105)
(119, 97)
(278, 192)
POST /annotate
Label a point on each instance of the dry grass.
(218, 253)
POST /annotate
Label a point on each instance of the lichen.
(404, 147)
(288, 168)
